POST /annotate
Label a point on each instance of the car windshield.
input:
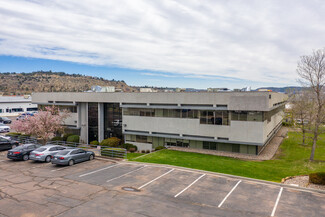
(63, 152)
(40, 149)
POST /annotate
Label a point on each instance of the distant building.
(147, 90)
(15, 105)
(217, 89)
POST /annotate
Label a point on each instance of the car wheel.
(48, 159)
(71, 162)
(25, 157)
(91, 157)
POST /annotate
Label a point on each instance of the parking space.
(100, 186)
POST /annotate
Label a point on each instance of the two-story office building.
(241, 122)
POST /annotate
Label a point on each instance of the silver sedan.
(71, 156)
(45, 153)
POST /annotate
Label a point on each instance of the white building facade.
(242, 122)
(15, 105)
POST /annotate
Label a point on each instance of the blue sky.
(188, 43)
(130, 76)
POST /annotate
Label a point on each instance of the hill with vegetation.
(12, 83)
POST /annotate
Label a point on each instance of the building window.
(32, 109)
(17, 110)
(214, 117)
(92, 122)
(72, 109)
(113, 120)
(247, 116)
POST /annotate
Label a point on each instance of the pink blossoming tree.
(45, 124)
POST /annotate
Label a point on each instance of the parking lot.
(105, 188)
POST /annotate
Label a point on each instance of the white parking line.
(65, 167)
(156, 179)
(86, 174)
(126, 174)
(224, 199)
(277, 201)
(189, 185)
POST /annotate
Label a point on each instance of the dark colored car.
(22, 152)
(71, 156)
(5, 120)
(6, 143)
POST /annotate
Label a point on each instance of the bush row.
(67, 137)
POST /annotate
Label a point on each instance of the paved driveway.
(102, 188)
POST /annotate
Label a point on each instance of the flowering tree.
(44, 124)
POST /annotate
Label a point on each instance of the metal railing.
(104, 151)
(24, 139)
(113, 152)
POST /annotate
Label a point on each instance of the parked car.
(71, 156)
(45, 153)
(24, 115)
(4, 128)
(22, 152)
(5, 120)
(6, 143)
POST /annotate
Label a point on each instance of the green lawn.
(292, 160)
(130, 156)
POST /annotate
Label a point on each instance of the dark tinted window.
(63, 152)
(53, 149)
(3, 140)
(75, 152)
(40, 149)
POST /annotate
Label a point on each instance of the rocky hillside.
(26, 83)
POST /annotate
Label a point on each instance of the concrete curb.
(235, 177)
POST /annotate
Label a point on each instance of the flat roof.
(11, 99)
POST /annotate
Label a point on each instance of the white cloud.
(253, 40)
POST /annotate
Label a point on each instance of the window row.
(206, 117)
(171, 113)
(246, 116)
(160, 141)
(11, 110)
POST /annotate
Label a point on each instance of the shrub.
(56, 138)
(143, 151)
(128, 146)
(132, 150)
(317, 178)
(13, 134)
(73, 138)
(66, 135)
(287, 124)
(159, 148)
(111, 142)
(95, 142)
(148, 151)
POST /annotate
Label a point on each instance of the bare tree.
(311, 69)
(302, 111)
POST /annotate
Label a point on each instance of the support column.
(100, 122)
(83, 117)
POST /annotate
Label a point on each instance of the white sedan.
(4, 128)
